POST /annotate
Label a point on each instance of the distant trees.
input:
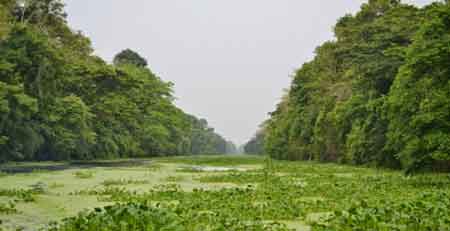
(256, 145)
(378, 94)
(129, 57)
(60, 102)
(231, 148)
(205, 141)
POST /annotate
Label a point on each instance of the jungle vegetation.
(59, 101)
(378, 94)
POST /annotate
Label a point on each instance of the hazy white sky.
(229, 59)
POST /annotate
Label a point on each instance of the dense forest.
(378, 94)
(373, 99)
(58, 101)
(256, 145)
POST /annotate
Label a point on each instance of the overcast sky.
(229, 59)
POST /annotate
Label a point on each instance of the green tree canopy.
(377, 95)
(130, 57)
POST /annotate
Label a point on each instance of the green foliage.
(427, 211)
(8, 208)
(203, 139)
(70, 135)
(130, 57)
(378, 95)
(60, 102)
(4, 26)
(19, 194)
(419, 102)
(131, 216)
(324, 196)
(138, 216)
(256, 144)
(18, 135)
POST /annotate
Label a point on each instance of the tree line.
(378, 94)
(58, 101)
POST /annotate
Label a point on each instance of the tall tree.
(376, 95)
(419, 101)
(130, 57)
(59, 102)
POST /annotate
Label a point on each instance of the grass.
(286, 196)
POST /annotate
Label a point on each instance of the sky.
(230, 60)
